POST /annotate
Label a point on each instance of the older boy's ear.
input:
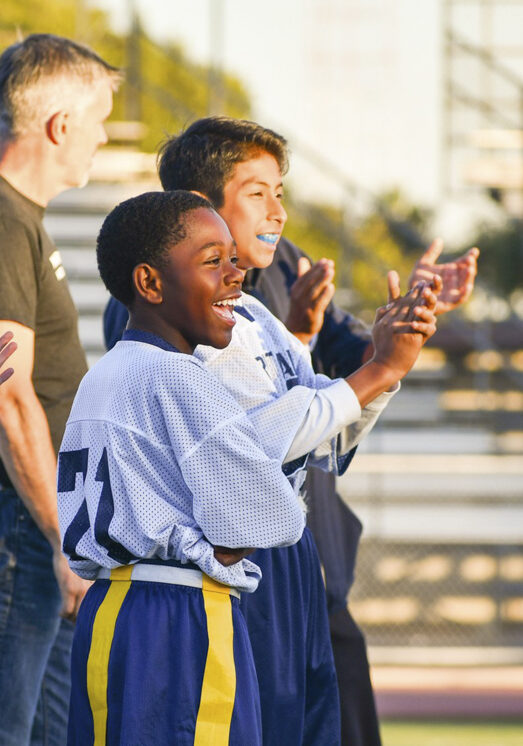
(147, 283)
(56, 127)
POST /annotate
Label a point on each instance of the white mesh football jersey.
(158, 460)
(295, 410)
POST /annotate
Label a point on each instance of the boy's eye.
(234, 260)
(213, 260)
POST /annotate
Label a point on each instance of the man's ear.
(56, 127)
(148, 283)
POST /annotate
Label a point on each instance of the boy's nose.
(277, 211)
(234, 275)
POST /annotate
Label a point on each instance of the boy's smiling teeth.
(224, 308)
(270, 238)
(226, 302)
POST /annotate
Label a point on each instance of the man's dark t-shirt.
(34, 293)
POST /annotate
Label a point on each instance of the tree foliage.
(501, 261)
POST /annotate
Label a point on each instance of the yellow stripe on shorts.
(219, 679)
(102, 639)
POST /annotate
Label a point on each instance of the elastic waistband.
(164, 574)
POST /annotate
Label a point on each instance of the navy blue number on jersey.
(71, 463)
(286, 366)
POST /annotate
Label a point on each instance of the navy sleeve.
(115, 321)
(340, 345)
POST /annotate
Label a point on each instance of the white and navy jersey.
(295, 410)
(159, 461)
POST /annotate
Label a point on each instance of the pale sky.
(359, 82)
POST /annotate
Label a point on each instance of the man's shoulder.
(20, 223)
(15, 208)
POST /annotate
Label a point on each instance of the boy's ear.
(56, 127)
(148, 283)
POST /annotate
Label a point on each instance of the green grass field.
(459, 733)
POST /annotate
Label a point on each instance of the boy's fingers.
(318, 274)
(414, 327)
(323, 284)
(427, 329)
(303, 265)
(422, 313)
(5, 338)
(7, 351)
(393, 282)
(228, 557)
(325, 297)
(5, 374)
(436, 284)
(380, 313)
(432, 253)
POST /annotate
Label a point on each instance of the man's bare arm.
(28, 456)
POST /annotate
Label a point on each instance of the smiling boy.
(240, 165)
(161, 478)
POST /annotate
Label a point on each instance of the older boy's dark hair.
(142, 229)
(204, 156)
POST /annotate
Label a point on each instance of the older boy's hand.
(310, 295)
(457, 276)
(227, 556)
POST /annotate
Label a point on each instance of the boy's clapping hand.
(404, 324)
(457, 276)
(310, 295)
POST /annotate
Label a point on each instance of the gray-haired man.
(54, 98)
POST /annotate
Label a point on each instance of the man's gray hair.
(36, 76)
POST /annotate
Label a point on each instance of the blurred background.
(405, 122)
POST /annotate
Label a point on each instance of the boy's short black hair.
(142, 229)
(204, 156)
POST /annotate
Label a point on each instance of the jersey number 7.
(70, 463)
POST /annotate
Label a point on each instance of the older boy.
(159, 467)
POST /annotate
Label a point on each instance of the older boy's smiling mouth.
(268, 238)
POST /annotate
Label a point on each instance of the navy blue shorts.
(290, 636)
(157, 663)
